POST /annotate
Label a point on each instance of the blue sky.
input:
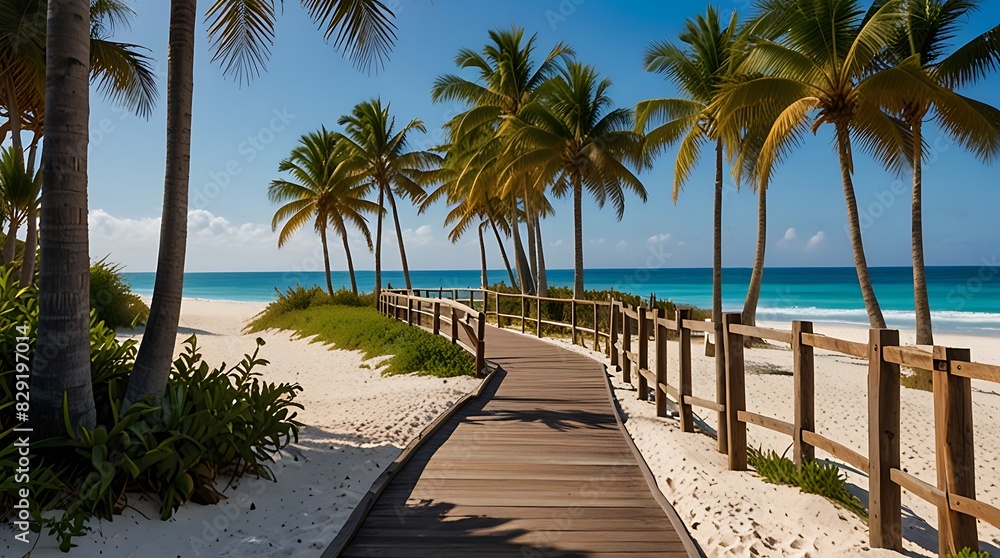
(240, 134)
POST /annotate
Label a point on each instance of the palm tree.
(321, 190)
(507, 81)
(699, 70)
(121, 71)
(62, 352)
(19, 189)
(573, 139)
(241, 33)
(376, 150)
(925, 34)
(821, 70)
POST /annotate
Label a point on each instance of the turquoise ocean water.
(965, 299)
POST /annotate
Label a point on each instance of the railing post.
(721, 393)
(437, 318)
(409, 311)
(642, 386)
(805, 406)
(660, 337)
(572, 318)
(454, 294)
(481, 344)
(684, 387)
(597, 336)
(956, 454)
(522, 312)
(615, 315)
(626, 346)
(486, 302)
(736, 398)
(538, 318)
(884, 498)
(454, 325)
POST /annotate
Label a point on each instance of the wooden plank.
(660, 383)
(976, 371)
(975, 508)
(804, 371)
(956, 452)
(642, 387)
(921, 489)
(684, 386)
(912, 357)
(769, 423)
(836, 345)
(736, 397)
(836, 449)
(763, 333)
(698, 325)
(704, 403)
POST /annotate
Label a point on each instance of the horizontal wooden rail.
(975, 371)
(918, 487)
(769, 423)
(704, 403)
(762, 333)
(698, 325)
(850, 348)
(975, 508)
(836, 449)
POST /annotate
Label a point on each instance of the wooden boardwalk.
(536, 466)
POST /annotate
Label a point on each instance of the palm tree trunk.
(520, 260)
(757, 276)
(326, 257)
(378, 242)
(62, 352)
(921, 304)
(10, 242)
(152, 363)
(31, 240)
(720, 340)
(577, 237)
(350, 262)
(503, 254)
(543, 279)
(30, 246)
(529, 227)
(399, 237)
(861, 265)
(482, 257)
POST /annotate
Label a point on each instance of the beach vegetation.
(969, 553)
(112, 299)
(362, 328)
(814, 477)
(212, 421)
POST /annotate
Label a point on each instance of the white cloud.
(597, 241)
(422, 236)
(815, 241)
(557, 244)
(788, 239)
(622, 245)
(657, 239)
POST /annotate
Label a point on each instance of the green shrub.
(823, 479)
(364, 329)
(211, 421)
(112, 298)
(969, 553)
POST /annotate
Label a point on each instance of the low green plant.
(412, 349)
(112, 299)
(969, 553)
(813, 477)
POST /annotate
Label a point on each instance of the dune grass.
(362, 328)
(813, 478)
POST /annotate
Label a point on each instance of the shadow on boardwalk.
(537, 466)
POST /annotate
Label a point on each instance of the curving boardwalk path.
(536, 466)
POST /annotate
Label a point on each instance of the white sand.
(356, 423)
(738, 514)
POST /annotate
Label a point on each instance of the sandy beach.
(356, 422)
(738, 514)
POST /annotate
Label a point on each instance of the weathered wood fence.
(433, 313)
(630, 332)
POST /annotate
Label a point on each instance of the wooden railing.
(431, 314)
(636, 343)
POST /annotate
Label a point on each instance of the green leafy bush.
(969, 553)
(211, 421)
(823, 479)
(363, 328)
(112, 298)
